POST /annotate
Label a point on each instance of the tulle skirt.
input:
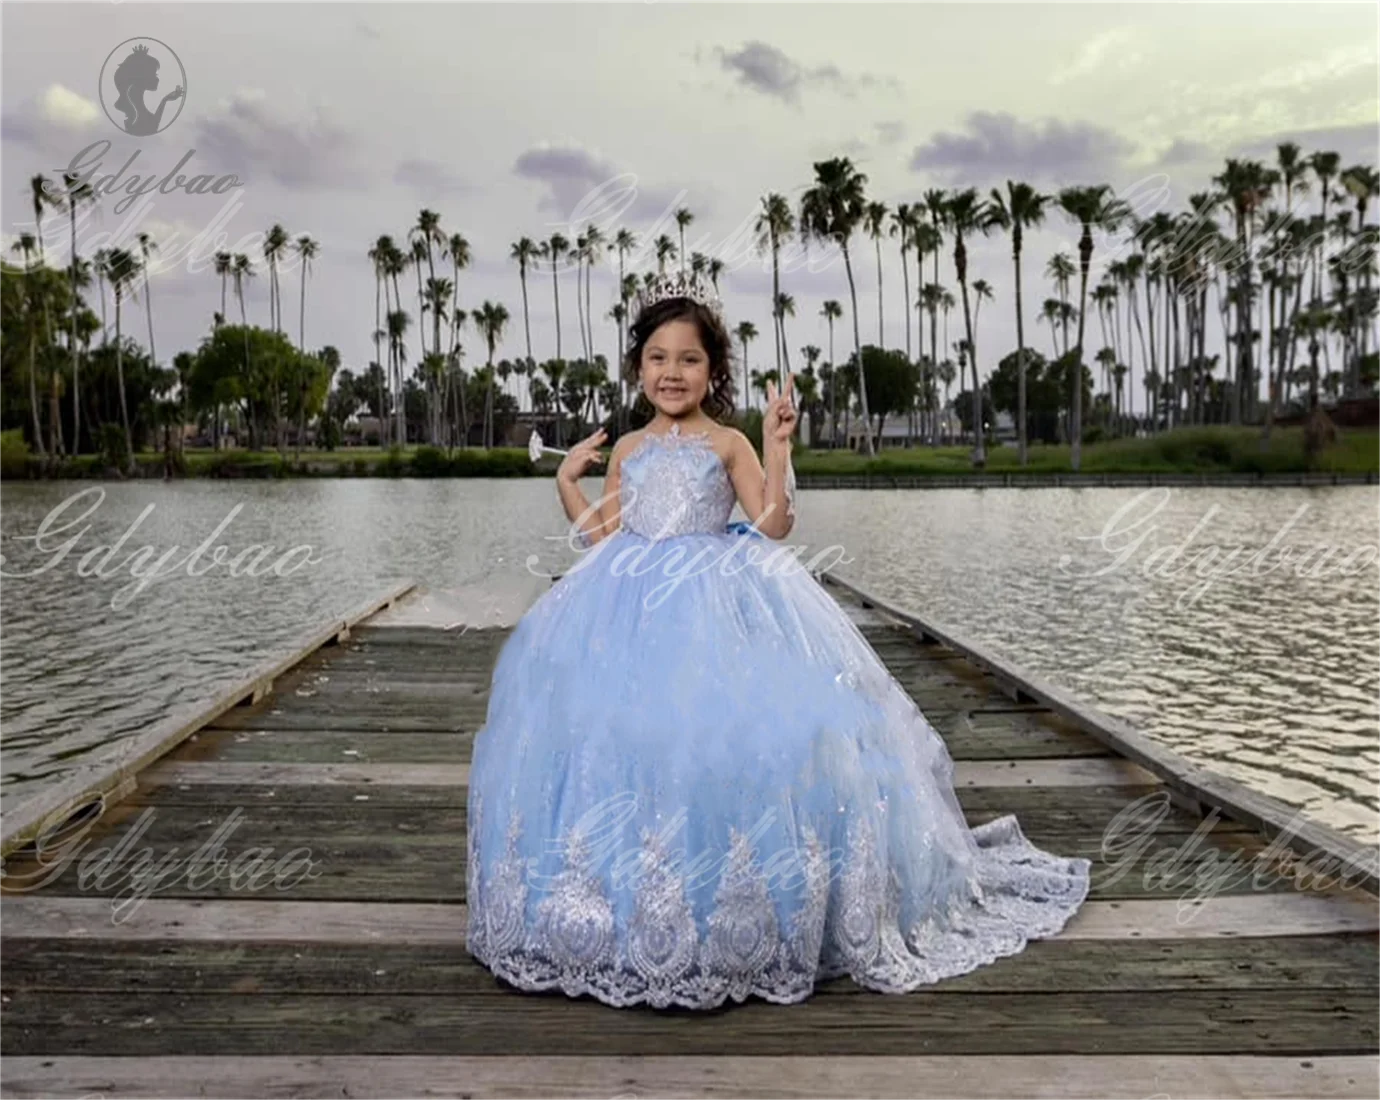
(697, 782)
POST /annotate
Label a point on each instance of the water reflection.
(1269, 676)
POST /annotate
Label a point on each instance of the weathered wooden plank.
(219, 773)
(368, 718)
(982, 1077)
(326, 747)
(1300, 1022)
(1039, 773)
(1090, 772)
(194, 967)
(419, 868)
(45, 916)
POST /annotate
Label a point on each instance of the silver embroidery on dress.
(675, 484)
(662, 958)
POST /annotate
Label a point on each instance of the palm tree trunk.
(857, 344)
(881, 327)
(778, 335)
(120, 375)
(1076, 420)
(905, 291)
(72, 334)
(1020, 363)
(833, 390)
(33, 392)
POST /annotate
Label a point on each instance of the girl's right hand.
(581, 457)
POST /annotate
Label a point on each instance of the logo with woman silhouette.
(129, 87)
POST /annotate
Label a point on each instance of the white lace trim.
(1016, 893)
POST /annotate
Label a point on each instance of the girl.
(696, 781)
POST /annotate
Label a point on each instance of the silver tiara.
(681, 285)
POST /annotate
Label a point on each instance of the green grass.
(1183, 451)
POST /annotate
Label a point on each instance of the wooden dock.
(323, 954)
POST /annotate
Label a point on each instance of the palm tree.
(378, 256)
(1247, 185)
(874, 221)
(428, 232)
(1022, 207)
(552, 251)
(26, 245)
(774, 225)
(746, 332)
(904, 220)
(122, 269)
(525, 251)
(1363, 184)
(935, 202)
(243, 269)
(398, 322)
(831, 210)
(581, 253)
(458, 249)
(665, 250)
(307, 250)
(623, 242)
(1089, 207)
(1061, 269)
(784, 307)
(965, 215)
(683, 218)
(831, 311)
(716, 267)
(46, 196)
(274, 245)
(594, 248)
(78, 192)
(146, 248)
(1325, 166)
(491, 318)
(223, 264)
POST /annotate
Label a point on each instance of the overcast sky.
(342, 121)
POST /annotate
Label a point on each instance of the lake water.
(1270, 674)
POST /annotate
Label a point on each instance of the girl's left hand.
(778, 422)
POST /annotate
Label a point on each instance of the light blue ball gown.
(697, 782)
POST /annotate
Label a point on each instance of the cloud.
(251, 139)
(999, 145)
(430, 179)
(764, 68)
(584, 185)
(568, 172)
(1098, 52)
(56, 117)
(1182, 151)
(1353, 143)
(890, 132)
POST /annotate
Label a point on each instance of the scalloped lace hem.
(1016, 894)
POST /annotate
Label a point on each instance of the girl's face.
(675, 368)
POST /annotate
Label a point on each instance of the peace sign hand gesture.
(778, 423)
(581, 457)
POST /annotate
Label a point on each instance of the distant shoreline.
(149, 470)
(1229, 457)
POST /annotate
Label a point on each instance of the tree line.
(1280, 288)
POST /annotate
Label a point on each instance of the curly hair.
(718, 403)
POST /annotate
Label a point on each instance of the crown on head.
(681, 284)
(140, 48)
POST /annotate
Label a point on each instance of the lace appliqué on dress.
(665, 958)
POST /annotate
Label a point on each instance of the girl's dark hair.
(719, 401)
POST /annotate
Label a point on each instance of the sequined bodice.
(675, 484)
